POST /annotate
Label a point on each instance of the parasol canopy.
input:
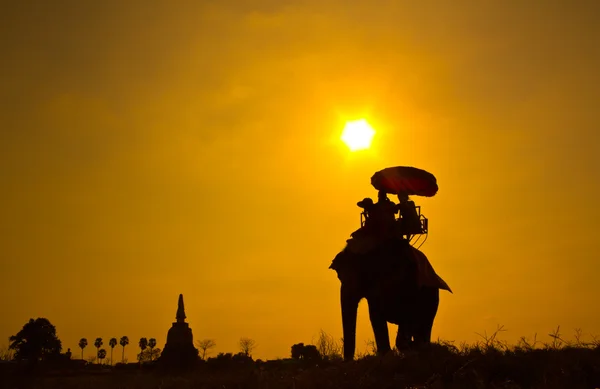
(405, 179)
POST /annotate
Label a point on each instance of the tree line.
(148, 350)
(37, 341)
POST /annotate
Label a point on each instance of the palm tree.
(101, 355)
(112, 343)
(98, 343)
(143, 344)
(124, 342)
(82, 344)
(151, 345)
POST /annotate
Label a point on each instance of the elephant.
(400, 287)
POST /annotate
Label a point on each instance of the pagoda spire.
(180, 317)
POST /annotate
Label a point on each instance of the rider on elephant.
(380, 216)
(383, 213)
(410, 220)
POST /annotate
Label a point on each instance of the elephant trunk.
(349, 312)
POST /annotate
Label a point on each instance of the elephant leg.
(423, 337)
(403, 338)
(349, 302)
(429, 303)
(380, 328)
(422, 334)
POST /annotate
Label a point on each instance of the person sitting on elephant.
(410, 220)
(382, 216)
(366, 204)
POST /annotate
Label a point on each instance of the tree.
(371, 347)
(151, 345)
(155, 354)
(241, 357)
(112, 343)
(98, 343)
(82, 344)
(311, 353)
(247, 345)
(6, 354)
(143, 345)
(307, 352)
(124, 342)
(297, 350)
(101, 355)
(205, 345)
(327, 346)
(36, 341)
(148, 355)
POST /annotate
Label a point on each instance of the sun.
(357, 135)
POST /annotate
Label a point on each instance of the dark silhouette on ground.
(487, 364)
(151, 346)
(149, 355)
(82, 344)
(112, 343)
(124, 341)
(228, 361)
(143, 344)
(179, 351)
(491, 363)
(37, 341)
(380, 265)
(388, 279)
(307, 352)
(205, 345)
(247, 345)
(98, 343)
(101, 355)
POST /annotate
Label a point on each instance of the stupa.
(179, 350)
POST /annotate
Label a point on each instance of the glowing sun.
(357, 135)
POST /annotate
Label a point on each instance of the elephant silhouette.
(400, 287)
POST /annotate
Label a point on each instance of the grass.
(489, 363)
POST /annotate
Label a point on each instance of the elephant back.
(392, 266)
(397, 264)
(386, 267)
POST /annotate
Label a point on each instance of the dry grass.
(489, 363)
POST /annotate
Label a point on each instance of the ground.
(442, 365)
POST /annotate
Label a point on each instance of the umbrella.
(405, 179)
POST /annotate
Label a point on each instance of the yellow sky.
(154, 148)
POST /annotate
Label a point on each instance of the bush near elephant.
(307, 352)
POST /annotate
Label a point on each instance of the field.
(487, 364)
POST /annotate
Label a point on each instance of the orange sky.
(154, 148)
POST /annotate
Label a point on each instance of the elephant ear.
(363, 245)
(426, 276)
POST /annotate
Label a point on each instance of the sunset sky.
(151, 148)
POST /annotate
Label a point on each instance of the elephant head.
(400, 287)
